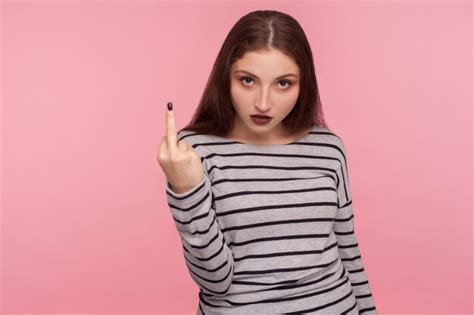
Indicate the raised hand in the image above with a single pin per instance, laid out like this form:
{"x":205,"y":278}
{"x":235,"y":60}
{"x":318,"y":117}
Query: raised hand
{"x":179,"y":161}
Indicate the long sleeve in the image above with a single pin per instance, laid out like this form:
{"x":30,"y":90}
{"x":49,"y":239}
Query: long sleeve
{"x":347,"y":241}
{"x":209,"y":260}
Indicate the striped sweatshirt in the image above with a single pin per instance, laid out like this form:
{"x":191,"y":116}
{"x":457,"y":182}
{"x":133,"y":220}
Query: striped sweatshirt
{"x":270,"y":228}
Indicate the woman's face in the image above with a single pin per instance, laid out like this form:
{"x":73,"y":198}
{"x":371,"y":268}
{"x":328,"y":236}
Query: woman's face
{"x":265,"y":83}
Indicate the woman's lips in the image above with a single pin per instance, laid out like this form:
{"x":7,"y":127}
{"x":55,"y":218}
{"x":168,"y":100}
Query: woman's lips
{"x":260,"y":120}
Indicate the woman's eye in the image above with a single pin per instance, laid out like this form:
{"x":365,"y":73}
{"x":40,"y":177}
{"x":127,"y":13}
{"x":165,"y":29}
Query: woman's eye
{"x":245,"y":78}
{"x":288,"y":83}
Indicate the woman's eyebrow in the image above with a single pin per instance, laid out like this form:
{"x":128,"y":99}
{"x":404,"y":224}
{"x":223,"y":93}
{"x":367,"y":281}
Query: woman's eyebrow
{"x":253,"y":75}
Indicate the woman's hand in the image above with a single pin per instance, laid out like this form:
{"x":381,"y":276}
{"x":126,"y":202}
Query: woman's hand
{"x":179,"y":161}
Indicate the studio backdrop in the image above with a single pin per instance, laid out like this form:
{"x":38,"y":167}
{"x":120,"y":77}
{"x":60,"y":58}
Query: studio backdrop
{"x":85,"y":224}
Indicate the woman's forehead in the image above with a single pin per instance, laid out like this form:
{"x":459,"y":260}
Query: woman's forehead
{"x":266,"y":63}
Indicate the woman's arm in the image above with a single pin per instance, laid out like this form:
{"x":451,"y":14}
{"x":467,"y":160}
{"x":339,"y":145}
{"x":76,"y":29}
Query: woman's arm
{"x":347,"y":241}
{"x":208,"y":258}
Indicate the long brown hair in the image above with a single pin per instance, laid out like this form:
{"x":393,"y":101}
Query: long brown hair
{"x":259,"y":30}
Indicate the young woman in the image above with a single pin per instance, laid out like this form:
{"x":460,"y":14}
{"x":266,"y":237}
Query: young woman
{"x":263,"y":205}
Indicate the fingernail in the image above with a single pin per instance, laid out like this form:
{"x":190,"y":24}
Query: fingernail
{"x":170,"y":106}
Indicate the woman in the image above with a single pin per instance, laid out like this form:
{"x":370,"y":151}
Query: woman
{"x":263,"y":205}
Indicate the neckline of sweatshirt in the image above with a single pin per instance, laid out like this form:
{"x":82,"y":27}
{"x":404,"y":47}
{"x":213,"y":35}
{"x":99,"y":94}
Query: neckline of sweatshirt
{"x":264,"y":146}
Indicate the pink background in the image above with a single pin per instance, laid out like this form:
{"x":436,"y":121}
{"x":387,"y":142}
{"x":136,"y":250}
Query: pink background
{"x":85,"y":224}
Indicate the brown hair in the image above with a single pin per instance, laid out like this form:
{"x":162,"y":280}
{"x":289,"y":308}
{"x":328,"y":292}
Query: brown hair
{"x":259,"y":30}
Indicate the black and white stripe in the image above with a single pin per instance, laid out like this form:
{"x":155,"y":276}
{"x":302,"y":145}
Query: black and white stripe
{"x":270,"y":229}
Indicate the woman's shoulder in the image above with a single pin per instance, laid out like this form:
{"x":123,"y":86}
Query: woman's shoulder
{"x":330,"y":138}
{"x":327,"y":135}
{"x":192,"y":138}
{"x":199,"y":142}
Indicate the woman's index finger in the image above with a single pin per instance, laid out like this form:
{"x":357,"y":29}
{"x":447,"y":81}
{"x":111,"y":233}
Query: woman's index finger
{"x":171,"y":128}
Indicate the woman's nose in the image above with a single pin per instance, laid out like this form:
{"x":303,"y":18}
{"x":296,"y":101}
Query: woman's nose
{"x":263,"y":104}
